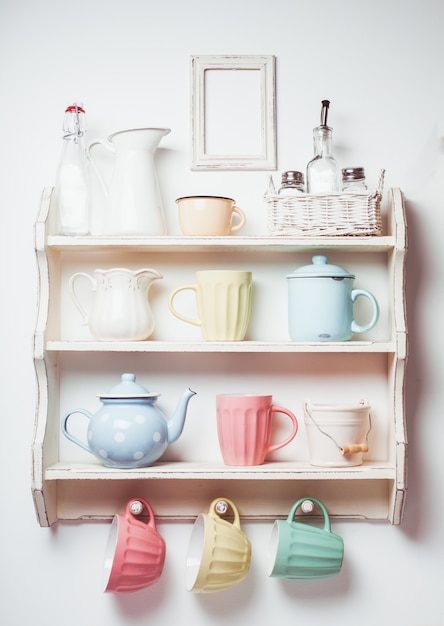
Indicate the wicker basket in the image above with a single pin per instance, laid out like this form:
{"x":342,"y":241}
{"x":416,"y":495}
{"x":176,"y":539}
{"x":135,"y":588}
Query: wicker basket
{"x":336,"y":214}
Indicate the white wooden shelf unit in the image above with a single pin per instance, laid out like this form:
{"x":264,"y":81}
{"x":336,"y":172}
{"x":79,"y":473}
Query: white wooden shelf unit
{"x":181,"y":489}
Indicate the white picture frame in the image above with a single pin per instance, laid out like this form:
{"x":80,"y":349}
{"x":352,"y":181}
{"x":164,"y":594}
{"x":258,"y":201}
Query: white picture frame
{"x":233,"y":112}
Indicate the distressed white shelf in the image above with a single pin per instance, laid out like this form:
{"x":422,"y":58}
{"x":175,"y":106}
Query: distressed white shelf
{"x":220,"y":346}
{"x":69,"y":489}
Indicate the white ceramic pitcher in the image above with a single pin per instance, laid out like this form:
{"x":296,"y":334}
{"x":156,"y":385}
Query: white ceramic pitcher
{"x":120,"y":309}
{"x":134,"y":205}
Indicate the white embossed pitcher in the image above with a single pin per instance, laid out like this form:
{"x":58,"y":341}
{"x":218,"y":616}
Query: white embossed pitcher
{"x":120,"y":308}
{"x":134,"y":205}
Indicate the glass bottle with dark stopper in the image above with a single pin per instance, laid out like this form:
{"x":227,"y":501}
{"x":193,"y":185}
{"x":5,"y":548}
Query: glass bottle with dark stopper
{"x":322,"y":171}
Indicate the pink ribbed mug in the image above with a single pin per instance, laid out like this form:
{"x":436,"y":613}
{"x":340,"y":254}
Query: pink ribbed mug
{"x":244,"y":425}
{"x":135,"y":551}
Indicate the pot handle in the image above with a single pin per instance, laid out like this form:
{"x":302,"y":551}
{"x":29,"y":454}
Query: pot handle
{"x":357,"y":328}
{"x":66,"y":432}
{"x":109,"y":147}
{"x":353,"y":448}
{"x":176,"y":313}
{"x":72,"y":281}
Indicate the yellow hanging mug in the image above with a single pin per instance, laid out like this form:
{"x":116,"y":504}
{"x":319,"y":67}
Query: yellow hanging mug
{"x":219,"y":553}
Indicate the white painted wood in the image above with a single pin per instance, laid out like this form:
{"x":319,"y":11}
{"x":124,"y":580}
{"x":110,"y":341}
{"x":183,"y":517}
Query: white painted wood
{"x":221,"y":346}
{"x":65,"y":488}
{"x":212,"y":244}
{"x":261,"y":158}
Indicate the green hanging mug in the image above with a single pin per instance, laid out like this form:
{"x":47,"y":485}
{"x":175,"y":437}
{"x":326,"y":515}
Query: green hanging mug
{"x":298,"y":550}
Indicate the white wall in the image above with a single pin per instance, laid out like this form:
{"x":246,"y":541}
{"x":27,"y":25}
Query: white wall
{"x":380,"y":64}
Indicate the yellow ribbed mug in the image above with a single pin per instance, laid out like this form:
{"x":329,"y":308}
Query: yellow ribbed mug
{"x":219,"y":553}
{"x":223,"y":304}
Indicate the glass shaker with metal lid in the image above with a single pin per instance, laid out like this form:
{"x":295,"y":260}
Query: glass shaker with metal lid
{"x":353,"y":179}
{"x":292,"y":183}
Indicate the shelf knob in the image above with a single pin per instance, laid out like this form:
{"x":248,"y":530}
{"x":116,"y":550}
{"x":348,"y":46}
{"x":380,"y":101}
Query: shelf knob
{"x":136,"y":507}
{"x":221,"y":507}
{"x":307,"y":506}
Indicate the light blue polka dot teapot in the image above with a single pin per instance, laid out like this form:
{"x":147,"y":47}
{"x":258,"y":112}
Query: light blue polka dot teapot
{"x":129,"y":431}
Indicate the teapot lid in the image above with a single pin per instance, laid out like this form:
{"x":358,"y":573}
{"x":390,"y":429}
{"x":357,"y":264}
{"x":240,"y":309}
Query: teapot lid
{"x":128,"y":388}
{"x":320,"y":268}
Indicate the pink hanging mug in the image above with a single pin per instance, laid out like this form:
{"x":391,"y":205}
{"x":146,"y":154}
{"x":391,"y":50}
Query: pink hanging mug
{"x":244,"y":425}
{"x":135,"y":551}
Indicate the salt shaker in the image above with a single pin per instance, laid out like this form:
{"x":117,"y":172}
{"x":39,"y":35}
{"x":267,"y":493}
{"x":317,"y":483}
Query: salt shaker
{"x":353,"y":179}
{"x":292,"y":183}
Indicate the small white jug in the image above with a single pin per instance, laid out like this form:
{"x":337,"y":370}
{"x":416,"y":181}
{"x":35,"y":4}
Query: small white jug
{"x":120,"y":309}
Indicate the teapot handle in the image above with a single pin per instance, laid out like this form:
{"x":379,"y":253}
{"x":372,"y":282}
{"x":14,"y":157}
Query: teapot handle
{"x":66,"y":432}
{"x":109,"y":147}
{"x":72,"y":281}
{"x":357,"y":328}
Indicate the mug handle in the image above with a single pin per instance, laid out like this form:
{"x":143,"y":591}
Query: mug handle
{"x":296,"y":505}
{"x":66,"y":432}
{"x":72,"y":281}
{"x":129,"y":513}
{"x":215,"y":515}
{"x":176,"y":313}
{"x":239,"y":225}
{"x":280,"y":409}
{"x":355,"y":327}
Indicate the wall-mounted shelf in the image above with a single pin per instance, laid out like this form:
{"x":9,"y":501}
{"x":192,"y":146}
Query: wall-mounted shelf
{"x":68,"y":484}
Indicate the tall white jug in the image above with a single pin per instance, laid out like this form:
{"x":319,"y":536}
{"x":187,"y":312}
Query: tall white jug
{"x":134,"y":205}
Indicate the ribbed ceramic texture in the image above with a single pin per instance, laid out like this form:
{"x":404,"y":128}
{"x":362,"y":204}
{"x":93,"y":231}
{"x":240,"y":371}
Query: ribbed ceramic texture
{"x":248,"y":444}
{"x":313,"y":552}
{"x":299,"y":550}
{"x":244,"y":424}
{"x":225,"y":309}
{"x":219,"y":553}
{"x":139,"y":556}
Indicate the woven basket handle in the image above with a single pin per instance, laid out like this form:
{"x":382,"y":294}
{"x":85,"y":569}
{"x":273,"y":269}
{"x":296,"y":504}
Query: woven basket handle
{"x":380,"y":187}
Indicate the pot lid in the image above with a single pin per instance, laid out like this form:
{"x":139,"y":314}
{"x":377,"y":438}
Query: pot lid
{"x":320,"y":268}
{"x":128,"y":388}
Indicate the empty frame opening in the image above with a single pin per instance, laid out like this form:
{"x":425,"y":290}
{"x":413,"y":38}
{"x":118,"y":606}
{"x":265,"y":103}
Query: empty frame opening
{"x":233,"y":125}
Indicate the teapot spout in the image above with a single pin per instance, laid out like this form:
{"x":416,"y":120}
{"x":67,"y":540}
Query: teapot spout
{"x":176,"y":423}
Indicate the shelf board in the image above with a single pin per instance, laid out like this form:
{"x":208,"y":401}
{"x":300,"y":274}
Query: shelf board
{"x":221,"y":346}
{"x":198,"y":244}
{"x":280,"y":470}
